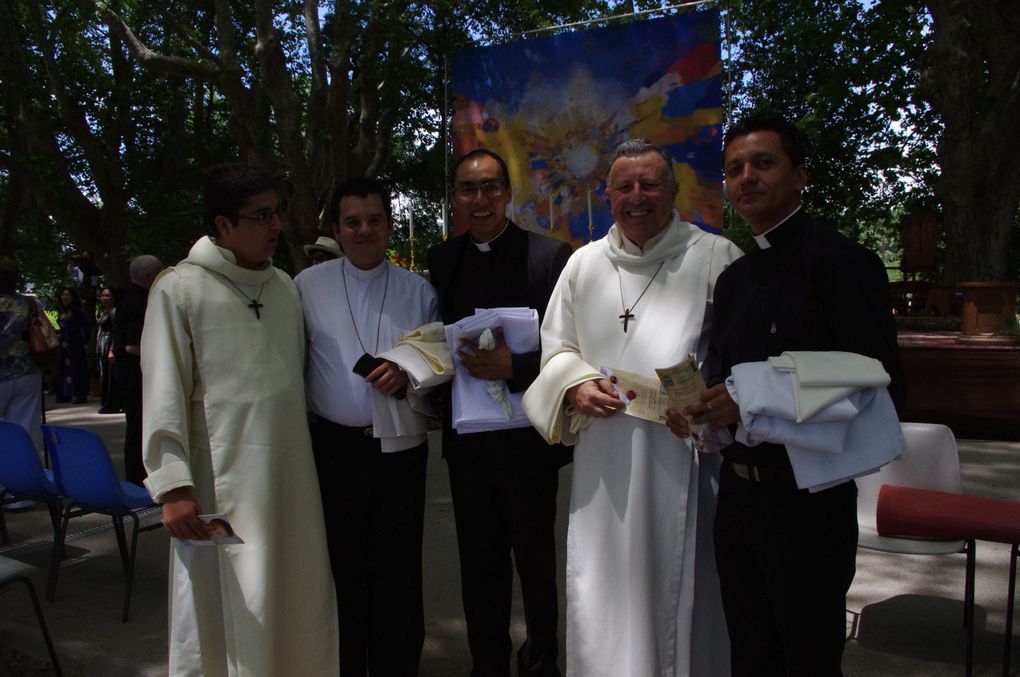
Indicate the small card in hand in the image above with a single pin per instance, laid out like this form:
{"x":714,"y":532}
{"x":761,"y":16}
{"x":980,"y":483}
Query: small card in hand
{"x":220,"y":531}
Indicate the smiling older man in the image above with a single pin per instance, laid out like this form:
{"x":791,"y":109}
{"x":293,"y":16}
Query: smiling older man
{"x":642,"y":593}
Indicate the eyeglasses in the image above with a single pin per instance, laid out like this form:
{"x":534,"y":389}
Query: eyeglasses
{"x":264,"y":217}
{"x":466,"y":191}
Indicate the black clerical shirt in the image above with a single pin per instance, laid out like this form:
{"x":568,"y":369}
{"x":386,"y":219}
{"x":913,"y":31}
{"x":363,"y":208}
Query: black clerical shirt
{"x":811,"y":289}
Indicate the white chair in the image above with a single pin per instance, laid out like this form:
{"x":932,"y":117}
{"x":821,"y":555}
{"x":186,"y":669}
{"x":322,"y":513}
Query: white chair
{"x":930,"y":461}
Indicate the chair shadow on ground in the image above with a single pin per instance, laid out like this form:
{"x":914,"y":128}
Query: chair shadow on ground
{"x":929,"y":628}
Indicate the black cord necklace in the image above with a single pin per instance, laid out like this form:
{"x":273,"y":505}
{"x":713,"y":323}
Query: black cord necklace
{"x":378,"y":326}
{"x":627,"y":315}
{"x":254,"y":305}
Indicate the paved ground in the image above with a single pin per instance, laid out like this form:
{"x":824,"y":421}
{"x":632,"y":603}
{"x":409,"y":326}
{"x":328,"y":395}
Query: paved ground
{"x":904,"y":612}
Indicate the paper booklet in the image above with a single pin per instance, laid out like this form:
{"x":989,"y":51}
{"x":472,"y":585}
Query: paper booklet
{"x":648,"y":398}
{"x":684,"y":386}
{"x":220,"y":531}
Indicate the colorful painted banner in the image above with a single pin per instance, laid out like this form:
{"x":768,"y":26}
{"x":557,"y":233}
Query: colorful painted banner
{"x":556,"y":107}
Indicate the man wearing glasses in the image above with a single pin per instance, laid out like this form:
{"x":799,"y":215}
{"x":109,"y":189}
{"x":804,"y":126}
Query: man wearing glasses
{"x":223,"y":357}
{"x":504,"y":482}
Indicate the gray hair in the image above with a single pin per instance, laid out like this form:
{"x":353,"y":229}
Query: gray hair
{"x":632,"y":148}
{"x":144,"y":268}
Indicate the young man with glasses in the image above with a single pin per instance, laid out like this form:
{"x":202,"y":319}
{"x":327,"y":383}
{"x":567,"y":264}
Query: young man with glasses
{"x":503,"y":482}
{"x":223,"y":355}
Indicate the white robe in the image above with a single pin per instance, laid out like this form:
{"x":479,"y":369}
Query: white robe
{"x":642,"y":591}
{"x":224,"y":412}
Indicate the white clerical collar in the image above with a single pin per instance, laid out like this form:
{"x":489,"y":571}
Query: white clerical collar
{"x":355,"y":272}
{"x":487,"y":246}
{"x":762,"y":240}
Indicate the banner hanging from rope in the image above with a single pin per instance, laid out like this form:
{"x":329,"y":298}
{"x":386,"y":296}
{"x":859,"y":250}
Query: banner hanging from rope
{"x":556,"y":107}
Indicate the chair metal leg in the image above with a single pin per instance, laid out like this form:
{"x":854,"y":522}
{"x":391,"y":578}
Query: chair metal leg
{"x":968,"y":606}
{"x":130,"y":565}
{"x":1014,"y":554}
{"x":4,"y":537}
{"x":57,"y":553}
{"x":118,"y":528}
{"x":42,"y":624}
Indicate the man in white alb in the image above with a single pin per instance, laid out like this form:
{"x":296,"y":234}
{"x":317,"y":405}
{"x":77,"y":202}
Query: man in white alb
{"x":642,"y":592}
{"x":368,"y":433}
{"x":222,"y":356}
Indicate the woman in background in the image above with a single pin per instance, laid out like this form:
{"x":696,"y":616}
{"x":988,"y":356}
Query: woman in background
{"x":71,"y":378}
{"x":20,"y":379}
{"x":109,"y":399}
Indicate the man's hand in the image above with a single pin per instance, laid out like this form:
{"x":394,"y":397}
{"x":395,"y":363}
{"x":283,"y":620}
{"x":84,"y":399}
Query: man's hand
{"x":180,"y":514}
{"x":596,"y":398}
{"x":388,"y":378}
{"x":487,"y":364}
{"x":716,"y":408}
{"x":677,"y":423}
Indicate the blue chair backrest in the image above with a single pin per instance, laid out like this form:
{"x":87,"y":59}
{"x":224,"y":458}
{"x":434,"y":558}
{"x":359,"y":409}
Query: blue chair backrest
{"x":83,"y":467}
{"x":21,"y":470}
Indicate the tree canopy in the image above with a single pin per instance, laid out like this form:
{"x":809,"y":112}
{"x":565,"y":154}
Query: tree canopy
{"x":110,"y":111}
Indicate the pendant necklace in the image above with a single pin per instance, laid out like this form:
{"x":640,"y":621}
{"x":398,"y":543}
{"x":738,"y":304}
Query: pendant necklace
{"x":254,"y":305}
{"x":627,"y":315}
{"x":378,"y":325}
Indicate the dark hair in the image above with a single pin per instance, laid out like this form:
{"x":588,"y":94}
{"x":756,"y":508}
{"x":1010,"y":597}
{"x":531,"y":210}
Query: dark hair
{"x":794,"y":144}
{"x":75,"y":300}
{"x":228,"y":187}
{"x":478,"y":152}
{"x":8,"y":275}
{"x":360,"y":186}
{"x":636,"y":148}
{"x":113,"y":292}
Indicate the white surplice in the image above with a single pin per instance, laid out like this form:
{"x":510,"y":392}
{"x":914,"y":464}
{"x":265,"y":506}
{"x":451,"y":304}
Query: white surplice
{"x":642,"y":591}
{"x":224,"y":412}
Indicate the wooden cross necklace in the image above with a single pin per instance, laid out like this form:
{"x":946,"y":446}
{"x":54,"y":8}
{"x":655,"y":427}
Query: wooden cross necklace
{"x":254,"y":305}
{"x":627,"y":315}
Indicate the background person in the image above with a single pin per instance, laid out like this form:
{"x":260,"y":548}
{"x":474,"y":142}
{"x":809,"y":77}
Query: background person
{"x":20,"y":378}
{"x":109,"y":398}
{"x":323,"y":249}
{"x":71,"y":376}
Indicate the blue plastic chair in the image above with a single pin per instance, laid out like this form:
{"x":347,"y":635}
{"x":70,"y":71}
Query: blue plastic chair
{"x":23,"y":476}
{"x":83,"y":468}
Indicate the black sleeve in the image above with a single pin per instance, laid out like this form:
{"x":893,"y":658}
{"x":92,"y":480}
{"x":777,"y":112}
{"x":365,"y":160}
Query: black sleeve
{"x":526,"y":365}
{"x":855,"y":289}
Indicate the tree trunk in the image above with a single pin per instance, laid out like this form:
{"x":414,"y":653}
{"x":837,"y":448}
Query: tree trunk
{"x":975,"y":79}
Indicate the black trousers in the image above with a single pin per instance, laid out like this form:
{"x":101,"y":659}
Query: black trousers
{"x":504,"y":498}
{"x":128,"y":374}
{"x":786,"y":558}
{"x":374,"y":506}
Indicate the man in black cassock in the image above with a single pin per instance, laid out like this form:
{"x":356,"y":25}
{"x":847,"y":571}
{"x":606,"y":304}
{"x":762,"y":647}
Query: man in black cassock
{"x":503,"y":483}
{"x":786,"y":556}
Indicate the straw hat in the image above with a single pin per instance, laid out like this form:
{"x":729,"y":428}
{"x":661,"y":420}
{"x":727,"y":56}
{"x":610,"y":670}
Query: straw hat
{"x":324,"y":244}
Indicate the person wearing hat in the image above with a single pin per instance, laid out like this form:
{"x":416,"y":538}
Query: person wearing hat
{"x":323,"y":249}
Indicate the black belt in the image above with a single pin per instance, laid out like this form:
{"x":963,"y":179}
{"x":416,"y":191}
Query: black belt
{"x":354,"y":431}
{"x":756,"y":473}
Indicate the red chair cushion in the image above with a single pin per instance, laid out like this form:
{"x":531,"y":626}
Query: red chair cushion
{"x":922,"y":513}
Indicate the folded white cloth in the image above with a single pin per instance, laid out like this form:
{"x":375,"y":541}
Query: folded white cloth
{"x":473,"y":408}
{"x":424,"y":354}
{"x":849,"y":437}
{"x":823,"y":377}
